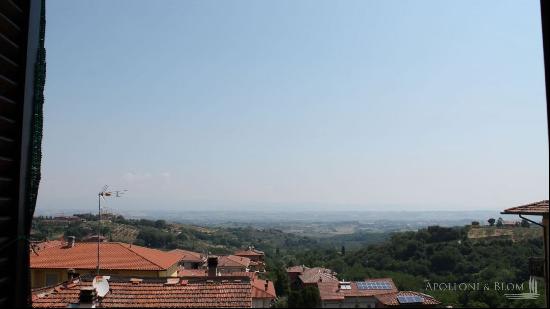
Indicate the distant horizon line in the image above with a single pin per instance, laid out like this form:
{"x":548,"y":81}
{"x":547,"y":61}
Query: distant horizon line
{"x":241,"y":210}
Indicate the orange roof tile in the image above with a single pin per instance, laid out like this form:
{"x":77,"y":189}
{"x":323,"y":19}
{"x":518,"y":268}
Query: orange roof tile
{"x":537,"y":208}
{"x":190,"y":256}
{"x":390,"y":299}
{"x":113,"y":255}
{"x":233,"y":261}
{"x":258,"y":285}
{"x":249,"y":274}
{"x":259,"y":289}
{"x":317,"y":274}
{"x":249,"y":252}
{"x":192,"y":273}
{"x":155,"y":293}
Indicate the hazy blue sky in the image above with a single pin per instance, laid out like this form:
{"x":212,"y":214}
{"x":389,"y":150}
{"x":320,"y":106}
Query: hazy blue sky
{"x":281,"y":104}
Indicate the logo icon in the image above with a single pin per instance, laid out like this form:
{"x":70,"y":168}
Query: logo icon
{"x":532,"y":294}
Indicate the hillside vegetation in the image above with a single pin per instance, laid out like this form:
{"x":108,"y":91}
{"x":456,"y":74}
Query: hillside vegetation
{"x":512,"y":233}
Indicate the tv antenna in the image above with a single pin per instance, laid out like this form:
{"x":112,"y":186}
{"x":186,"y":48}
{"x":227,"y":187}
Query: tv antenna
{"x":105,"y":192}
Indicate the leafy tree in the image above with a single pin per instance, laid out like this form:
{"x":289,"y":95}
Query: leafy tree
{"x":355,"y":272}
{"x":445,"y":260}
{"x":295,"y":299}
{"x":491,"y":221}
{"x":307,"y":297}
{"x":280,"y":279}
{"x":408,"y":250}
{"x":500,"y":222}
{"x":311,"y":297}
{"x":160,"y":224}
{"x":439,"y":234}
{"x":525,"y":223}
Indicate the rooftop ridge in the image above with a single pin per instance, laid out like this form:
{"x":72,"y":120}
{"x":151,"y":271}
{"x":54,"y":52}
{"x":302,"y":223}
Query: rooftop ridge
{"x":115,"y":255}
{"x":158,"y":280}
{"x":140,"y":255}
{"x":215,"y":292}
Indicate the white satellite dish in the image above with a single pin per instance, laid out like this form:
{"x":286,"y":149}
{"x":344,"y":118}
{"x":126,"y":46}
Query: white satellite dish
{"x":101,"y":285}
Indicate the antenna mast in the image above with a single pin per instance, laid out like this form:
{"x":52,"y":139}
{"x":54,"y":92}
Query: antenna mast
{"x":101,"y":196}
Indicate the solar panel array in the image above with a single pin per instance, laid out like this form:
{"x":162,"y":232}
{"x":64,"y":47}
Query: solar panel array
{"x":374,"y":285}
{"x":410,"y":299}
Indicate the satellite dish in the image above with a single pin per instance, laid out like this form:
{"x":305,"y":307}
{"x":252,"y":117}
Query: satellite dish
{"x":101,"y":285}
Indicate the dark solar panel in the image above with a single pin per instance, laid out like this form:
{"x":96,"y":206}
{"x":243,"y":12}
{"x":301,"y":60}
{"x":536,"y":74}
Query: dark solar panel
{"x":410,"y":299}
{"x":374,"y":285}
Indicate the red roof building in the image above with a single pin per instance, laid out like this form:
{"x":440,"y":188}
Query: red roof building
{"x":371,"y":293}
{"x":301,"y":276}
{"x":263,"y":291}
{"x":192,"y":273}
{"x":51,"y":264}
{"x":127,"y":292}
{"x":190,"y":259}
{"x":395,"y":299}
{"x":257,"y":258}
{"x":535,"y":209}
{"x":532,"y":209}
{"x":231,"y":263}
{"x":251,"y":253}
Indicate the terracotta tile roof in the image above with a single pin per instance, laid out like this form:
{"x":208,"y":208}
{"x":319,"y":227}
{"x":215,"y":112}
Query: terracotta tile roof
{"x":259,"y":289}
{"x":187,"y":273}
{"x":390,"y":299}
{"x":249,"y":252}
{"x":155,"y":293}
{"x":113,"y":255}
{"x":190,"y":256}
{"x":233,"y":261}
{"x":249,"y":274}
{"x":258,"y":285}
{"x":317,"y":274}
{"x":193,"y":273}
{"x":537,"y":208}
{"x":330,"y":290}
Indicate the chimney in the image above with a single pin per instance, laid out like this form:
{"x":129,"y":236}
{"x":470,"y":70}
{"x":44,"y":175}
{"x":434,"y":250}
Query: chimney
{"x":212,"y":266}
{"x":87,"y":297}
{"x":70,"y":241}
